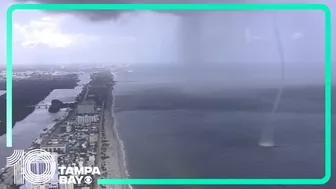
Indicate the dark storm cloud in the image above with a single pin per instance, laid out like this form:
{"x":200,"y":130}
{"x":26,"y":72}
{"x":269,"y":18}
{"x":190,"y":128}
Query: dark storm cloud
{"x":93,"y":15}
{"x":96,"y":15}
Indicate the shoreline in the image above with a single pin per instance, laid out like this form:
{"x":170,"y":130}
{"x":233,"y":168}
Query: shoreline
{"x":29,"y":93}
{"x":121,"y":149}
{"x":120,"y":142}
{"x":116,"y":165}
{"x":115,"y":162}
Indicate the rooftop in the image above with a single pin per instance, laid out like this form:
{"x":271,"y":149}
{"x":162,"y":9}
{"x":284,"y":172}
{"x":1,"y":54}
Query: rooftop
{"x":53,"y":145}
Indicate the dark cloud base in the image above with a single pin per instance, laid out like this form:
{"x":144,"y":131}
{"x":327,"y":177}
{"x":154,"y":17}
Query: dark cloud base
{"x":96,"y":15}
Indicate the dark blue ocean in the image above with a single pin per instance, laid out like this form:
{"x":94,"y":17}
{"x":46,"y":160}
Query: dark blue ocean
{"x":205,"y":123}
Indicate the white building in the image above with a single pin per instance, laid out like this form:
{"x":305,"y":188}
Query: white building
{"x":92,"y":158}
{"x":53,"y":183}
{"x":59,"y":148}
{"x":71,"y":122}
{"x":68,"y":128}
{"x":91,"y":161}
{"x":81,"y":163}
{"x":93,"y":138}
{"x":38,"y":168}
{"x":67,"y":186}
{"x":87,"y":119}
{"x":53,"y":186}
{"x":33,"y":186}
{"x":18,"y":172}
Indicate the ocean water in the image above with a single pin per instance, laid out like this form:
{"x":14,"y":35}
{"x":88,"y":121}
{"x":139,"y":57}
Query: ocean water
{"x":27,"y":130}
{"x":178,"y":127}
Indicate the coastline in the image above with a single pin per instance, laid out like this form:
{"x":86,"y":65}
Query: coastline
{"x":121,"y":148}
{"x":29,"y":93}
{"x":116,"y":166}
{"x":114,"y":159}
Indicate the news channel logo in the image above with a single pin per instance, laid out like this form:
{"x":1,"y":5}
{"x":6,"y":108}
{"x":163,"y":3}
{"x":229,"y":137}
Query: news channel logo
{"x":36,"y":166}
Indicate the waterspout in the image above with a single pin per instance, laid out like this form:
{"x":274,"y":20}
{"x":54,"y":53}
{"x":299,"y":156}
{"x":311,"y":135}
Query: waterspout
{"x":267,"y":136}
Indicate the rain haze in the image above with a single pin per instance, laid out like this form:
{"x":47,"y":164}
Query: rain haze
{"x":241,"y":38}
{"x":210,"y":94}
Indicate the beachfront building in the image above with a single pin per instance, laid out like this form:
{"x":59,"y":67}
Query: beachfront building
{"x":31,"y":186}
{"x":19,"y":177}
{"x":87,"y":119}
{"x":93,"y":138}
{"x":67,"y":186}
{"x":91,"y":161}
{"x":61,"y":148}
{"x":53,"y":182}
{"x":68,"y":128}
{"x":39,"y":167}
{"x":71,"y":122}
{"x":52,"y":186}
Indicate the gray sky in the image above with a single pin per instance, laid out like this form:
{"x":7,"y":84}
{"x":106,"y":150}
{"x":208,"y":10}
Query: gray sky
{"x":152,"y":37}
{"x":46,"y":37}
{"x":42,"y":37}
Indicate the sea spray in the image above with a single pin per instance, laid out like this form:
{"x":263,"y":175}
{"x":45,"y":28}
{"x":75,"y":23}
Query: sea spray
{"x":267,"y":136}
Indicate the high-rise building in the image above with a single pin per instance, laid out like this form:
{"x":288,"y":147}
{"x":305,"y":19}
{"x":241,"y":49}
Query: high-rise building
{"x":67,"y":186}
{"x":68,"y":128}
{"x":87,"y":119}
{"x":38,"y":167}
{"x":53,"y":183}
{"x":18,"y":173}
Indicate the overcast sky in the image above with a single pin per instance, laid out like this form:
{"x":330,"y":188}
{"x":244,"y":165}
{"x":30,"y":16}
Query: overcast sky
{"x":152,"y":37}
{"x":42,"y":37}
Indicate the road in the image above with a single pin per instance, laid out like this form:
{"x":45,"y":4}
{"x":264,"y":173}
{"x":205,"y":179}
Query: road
{"x":101,"y":125}
{"x":86,"y":91}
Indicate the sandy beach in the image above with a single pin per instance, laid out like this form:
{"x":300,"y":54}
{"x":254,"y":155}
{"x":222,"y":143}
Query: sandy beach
{"x":112,"y":147}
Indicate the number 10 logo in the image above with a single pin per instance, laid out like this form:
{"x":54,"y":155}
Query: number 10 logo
{"x":36,"y":166}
